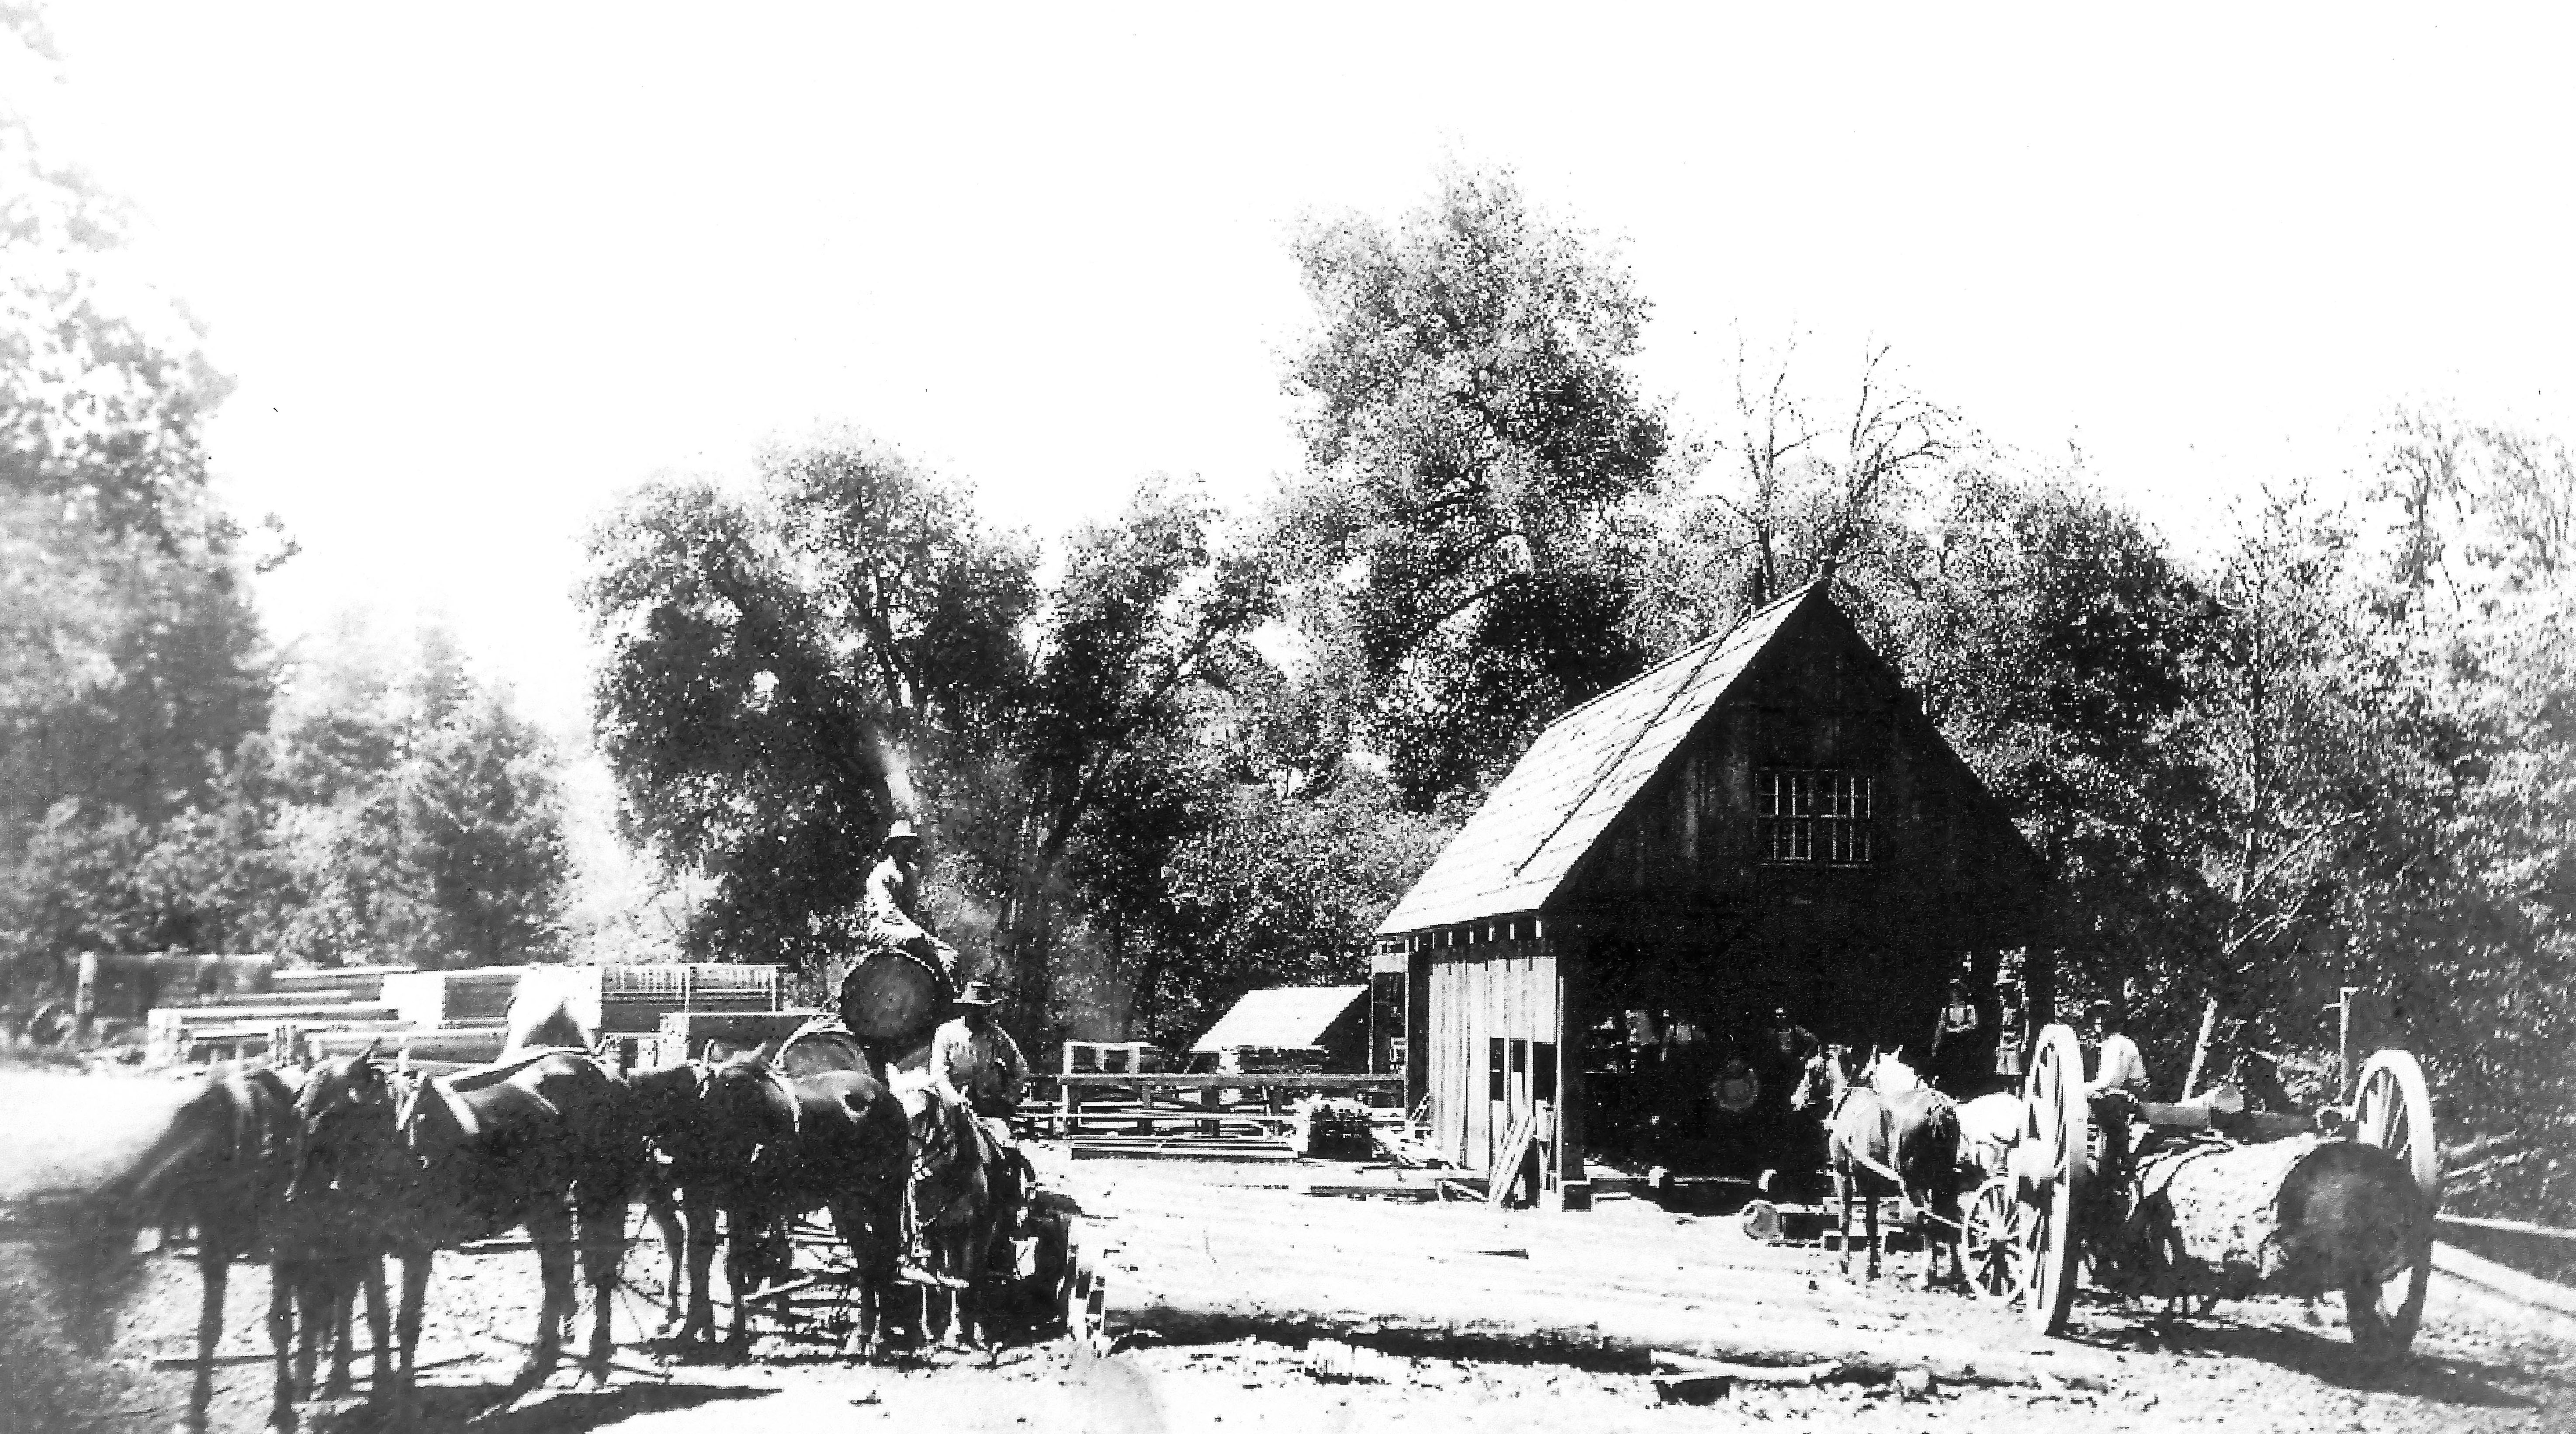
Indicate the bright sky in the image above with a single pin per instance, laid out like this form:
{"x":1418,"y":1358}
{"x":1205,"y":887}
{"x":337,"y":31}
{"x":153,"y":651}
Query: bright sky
{"x":478,"y":270}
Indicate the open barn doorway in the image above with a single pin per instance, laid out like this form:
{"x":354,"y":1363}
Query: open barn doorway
{"x":1695,"y":1047}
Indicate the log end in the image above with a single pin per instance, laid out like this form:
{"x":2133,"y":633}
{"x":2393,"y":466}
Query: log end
{"x":2349,"y":1214}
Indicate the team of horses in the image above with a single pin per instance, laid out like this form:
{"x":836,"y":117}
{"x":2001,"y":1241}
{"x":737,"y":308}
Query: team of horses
{"x":1889,"y":1133}
{"x":361,"y":1161}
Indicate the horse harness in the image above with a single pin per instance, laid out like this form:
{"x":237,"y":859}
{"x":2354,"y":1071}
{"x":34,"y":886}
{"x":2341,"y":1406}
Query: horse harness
{"x":1862,"y":1159}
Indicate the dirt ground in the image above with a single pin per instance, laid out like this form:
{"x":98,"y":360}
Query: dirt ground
{"x":2259,"y":1365}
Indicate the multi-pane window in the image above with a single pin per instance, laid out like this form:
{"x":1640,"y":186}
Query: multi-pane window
{"x":1822,"y":817}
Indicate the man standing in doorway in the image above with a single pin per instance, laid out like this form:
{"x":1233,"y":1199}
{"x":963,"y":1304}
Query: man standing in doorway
{"x":1955,"y":1043}
{"x":1783,"y":1053}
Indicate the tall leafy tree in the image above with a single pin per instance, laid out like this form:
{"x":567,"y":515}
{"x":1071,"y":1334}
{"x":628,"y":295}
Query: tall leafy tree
{"x":787,"y":669}
{"x":2051,"y":636}
{"x":1477,"y":450}
{"x":130,"y":661}
{"x":1150,"y":615}
{"x":2466,"y":553}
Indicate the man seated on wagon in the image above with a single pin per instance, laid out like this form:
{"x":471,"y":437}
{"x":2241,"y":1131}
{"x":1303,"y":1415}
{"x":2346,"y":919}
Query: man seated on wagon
{"x":893,"y":905}
{"x":2117,"y":1066}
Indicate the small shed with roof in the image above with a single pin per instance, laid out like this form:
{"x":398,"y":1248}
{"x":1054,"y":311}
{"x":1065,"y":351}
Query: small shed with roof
{"x":1765,"y":820}
{"x":1318,"y":1028}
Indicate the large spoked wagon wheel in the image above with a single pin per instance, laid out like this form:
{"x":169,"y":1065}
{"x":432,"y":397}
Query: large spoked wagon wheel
{"x":2054,"y":1168}
{"x":2394,"y":1111}
{"x":1992,"y":1243}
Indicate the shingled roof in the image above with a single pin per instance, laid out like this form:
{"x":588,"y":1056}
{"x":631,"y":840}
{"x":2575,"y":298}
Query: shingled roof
{"x":1280,"y":1018}
{"x":1573,"y":782}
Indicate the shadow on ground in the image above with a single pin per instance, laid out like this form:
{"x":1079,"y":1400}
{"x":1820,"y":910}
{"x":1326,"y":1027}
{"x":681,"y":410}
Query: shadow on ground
{"x":548,"y":1411}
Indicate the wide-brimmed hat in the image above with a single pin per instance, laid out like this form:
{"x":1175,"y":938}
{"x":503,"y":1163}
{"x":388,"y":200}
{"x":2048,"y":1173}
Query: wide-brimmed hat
{"x":901,"y":831}
{"x":978,"y":993}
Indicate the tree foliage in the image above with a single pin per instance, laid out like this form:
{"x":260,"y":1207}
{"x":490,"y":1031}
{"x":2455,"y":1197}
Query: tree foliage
{"x":787,"y":666}
{"x":1476,"y":450}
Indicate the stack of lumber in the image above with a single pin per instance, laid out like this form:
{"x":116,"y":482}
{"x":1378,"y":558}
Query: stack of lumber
{"x":686,"y":1034}
{"x":455,"y":1017}
{"x":246,"y":1029}
{"x":635,"y":999}
{"x":475,"y":996}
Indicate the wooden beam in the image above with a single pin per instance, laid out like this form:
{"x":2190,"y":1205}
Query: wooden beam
{"x":1234,"y":1081}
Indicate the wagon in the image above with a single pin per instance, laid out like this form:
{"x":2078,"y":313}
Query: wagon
{"x":2153,"y":1201}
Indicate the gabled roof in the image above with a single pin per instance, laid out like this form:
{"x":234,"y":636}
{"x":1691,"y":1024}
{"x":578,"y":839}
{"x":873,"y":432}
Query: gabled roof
{"x":1577,"y":778}
{"x":1281,"y":1018}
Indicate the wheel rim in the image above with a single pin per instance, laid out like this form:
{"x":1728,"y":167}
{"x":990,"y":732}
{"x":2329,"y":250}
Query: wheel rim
{"x":2043,"y":1098}
{"x":2393,"y":1110}
{"x":2059,"y":1121}
{"x":1994,"y":1240}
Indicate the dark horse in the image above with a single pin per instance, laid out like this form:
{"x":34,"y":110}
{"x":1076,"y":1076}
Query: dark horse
{"x":324,"y":1244}
{"x":545,"y":1142}
{"x":1902,"y":1140}
{"x":220,"y":1167}
{"x":760,"y":1147}
{"x":229,"y":1166}
{"x":967,"y":1194}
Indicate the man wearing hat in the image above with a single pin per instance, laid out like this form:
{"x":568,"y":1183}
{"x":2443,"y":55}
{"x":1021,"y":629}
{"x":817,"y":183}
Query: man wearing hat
{"x":1780,"y":1057}
{"x":893,"y":906}
{"x":1955,"y":1040}
{"x":975,"y":1062}
{"x":2118,"y":1066}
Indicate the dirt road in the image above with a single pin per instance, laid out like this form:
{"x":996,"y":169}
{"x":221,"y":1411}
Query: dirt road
{"x":2260,"y":1365}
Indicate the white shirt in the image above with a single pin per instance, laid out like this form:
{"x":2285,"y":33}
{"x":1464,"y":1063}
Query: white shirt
{"x":985,"y":1064}
{"x":2120,"y":1067}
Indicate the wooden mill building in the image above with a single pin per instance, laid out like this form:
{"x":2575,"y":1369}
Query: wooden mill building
{"x":1765,"y":820}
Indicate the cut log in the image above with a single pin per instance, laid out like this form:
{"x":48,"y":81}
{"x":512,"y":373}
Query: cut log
{"x":2298,"y":1216}
{"x":1748,"y":1373}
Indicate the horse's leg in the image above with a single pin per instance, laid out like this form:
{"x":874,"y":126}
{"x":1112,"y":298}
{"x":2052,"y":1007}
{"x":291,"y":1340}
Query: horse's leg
{"x":1958,"y":1232}
{"x":214,"y":1263}
{"x":550,"y":1227}
{"x":1842,"y":1201}
{"x":1869,"y":1211}
{"x":312,"y":1291}
{"x":344,"y":1325}
{"x":701,"y":1210}
{"x":282,"y":1277}
{"x":404,"y":1398}
{"x":855,"y":1233}
{"x":371,"y":1269}
{"x":660,"y":1209}
{"x":742,"y":1257}
{"x":962,"y":1248}
{"x":603,"y":1258}
{"x":937,"y":1307}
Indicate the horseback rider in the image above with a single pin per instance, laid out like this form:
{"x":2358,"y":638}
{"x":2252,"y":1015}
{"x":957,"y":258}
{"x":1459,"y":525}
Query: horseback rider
{"x":975,"y":1063}
{"x":893,"y":905}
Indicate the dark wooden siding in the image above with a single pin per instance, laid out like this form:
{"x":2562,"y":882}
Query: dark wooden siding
{"x":1679,"y":897}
